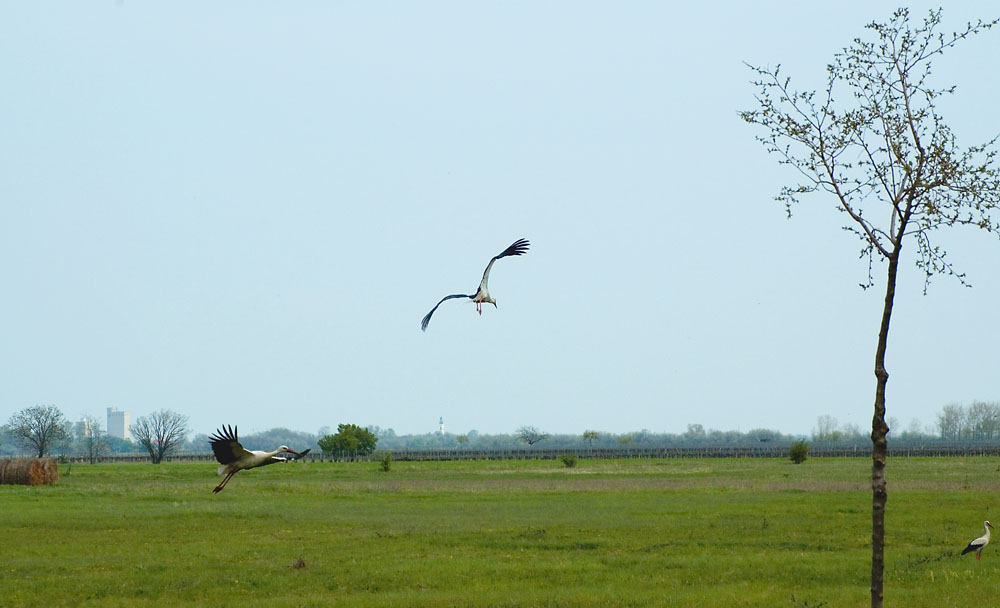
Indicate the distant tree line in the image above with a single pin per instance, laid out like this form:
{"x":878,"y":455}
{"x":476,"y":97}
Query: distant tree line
{"x":530,"y":436}
{"x":980,"y":421}
{"x":44,"y":430}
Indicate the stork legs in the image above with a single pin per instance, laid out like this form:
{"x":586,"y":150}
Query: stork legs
{"x":219,"y":487}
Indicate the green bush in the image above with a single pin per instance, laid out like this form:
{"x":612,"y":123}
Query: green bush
{"x":386,"y":463}
{"x":569,"y":460}
{"x":798,"y":451}
{"x":351,"y":440}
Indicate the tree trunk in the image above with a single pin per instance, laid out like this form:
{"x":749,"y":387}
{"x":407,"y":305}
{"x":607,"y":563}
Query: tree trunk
{"x":879,"y":431}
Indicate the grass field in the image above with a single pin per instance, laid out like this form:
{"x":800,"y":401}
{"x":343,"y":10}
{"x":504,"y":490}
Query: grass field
{"x":726,"y":532}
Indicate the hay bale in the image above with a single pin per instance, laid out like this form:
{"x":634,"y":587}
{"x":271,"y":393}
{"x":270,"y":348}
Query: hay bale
{"x":51,"y":471}
{"x":29,"y":471}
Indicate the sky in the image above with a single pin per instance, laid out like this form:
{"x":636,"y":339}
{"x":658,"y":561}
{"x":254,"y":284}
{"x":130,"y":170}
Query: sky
{"x":240,"y":211}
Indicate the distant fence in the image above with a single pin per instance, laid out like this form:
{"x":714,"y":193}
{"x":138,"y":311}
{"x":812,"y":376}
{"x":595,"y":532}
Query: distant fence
{"x":773,"y":451}
{"x":819,"y":450}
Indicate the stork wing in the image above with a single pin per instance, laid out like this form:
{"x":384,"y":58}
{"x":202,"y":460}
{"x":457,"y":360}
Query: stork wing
{"x":518,"y":247}
{"x":274,"y":459}
{"x":975,"y":545}
{"x":427,"y":317}
{"x":226,"y":446}
{"x":284,"y":457}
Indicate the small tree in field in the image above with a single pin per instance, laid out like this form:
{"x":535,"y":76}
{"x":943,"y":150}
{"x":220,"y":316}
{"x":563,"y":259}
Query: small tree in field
{"x":591,"y":436}
{"x":160,"y":433}
{"x":385,"y":463}
{"x":530,"y":435}
{"x":798,"y":451}
{"x":874,"y":141}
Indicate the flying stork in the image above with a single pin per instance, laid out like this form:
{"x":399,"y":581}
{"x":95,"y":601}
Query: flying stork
{"x":234,"y":457}
{"x":482,"y":294}
{"x":980,"y":543}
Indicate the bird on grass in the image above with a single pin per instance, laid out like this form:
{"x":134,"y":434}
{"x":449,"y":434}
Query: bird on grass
{"x":482,"y":295}
{"x":234,"y":457}
{"x":980,"y":543}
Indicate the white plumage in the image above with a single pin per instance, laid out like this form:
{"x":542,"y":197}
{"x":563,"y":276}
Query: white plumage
{"x":234,"y":457}
{"x":980,"y":543}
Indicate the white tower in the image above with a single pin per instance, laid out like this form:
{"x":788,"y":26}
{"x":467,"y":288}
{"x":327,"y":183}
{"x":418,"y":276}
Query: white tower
{"x":441,"y":426}
{"x":118,"y":423}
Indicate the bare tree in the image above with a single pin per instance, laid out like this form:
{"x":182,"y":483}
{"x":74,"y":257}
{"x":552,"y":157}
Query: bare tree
{"x":826,"y":429}
{"x":161,"y":433}
{"x":875,"y":141}
{"x":530,"y":435}
{"x":983,"y":420}
{"x":950,"y":421}
{"x":38,"y":428}
{"x":92,"y":438}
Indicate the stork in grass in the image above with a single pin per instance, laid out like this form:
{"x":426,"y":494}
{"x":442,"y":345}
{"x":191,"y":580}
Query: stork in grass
{"x":234,"y":457}
{"x":980,"y":543}
{"x":482,"y":294}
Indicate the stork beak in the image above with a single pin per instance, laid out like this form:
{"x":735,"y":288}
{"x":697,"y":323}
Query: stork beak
{"x":293,"y":452}
{"x":990,"y":525}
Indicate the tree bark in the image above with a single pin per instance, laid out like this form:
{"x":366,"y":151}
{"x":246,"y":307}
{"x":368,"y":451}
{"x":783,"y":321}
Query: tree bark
{"x":879,"y":431}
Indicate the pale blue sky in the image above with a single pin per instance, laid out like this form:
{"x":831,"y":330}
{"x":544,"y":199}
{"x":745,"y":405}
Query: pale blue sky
{"x":241,"y":211}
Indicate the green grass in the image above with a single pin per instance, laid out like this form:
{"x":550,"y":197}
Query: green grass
{"x":726,"y":532}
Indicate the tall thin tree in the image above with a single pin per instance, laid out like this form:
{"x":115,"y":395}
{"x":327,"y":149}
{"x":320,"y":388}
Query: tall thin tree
{"x":874,"y":140}
{"x":91,"y":438}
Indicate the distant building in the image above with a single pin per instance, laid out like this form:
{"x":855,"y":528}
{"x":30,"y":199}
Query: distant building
{"x":441,"y":426}
{"x":118,"y":423}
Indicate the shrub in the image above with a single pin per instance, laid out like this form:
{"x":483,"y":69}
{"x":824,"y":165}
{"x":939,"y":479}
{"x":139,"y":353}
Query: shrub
{"x":351,"y":440}
{"x":569,"y":460}
{"x":798,"y":451}
{"x":386,"y":463}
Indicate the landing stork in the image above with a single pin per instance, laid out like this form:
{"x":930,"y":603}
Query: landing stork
{"x":482,"y":294}
{"x":234,"y":457}
{"x":980,"y":543}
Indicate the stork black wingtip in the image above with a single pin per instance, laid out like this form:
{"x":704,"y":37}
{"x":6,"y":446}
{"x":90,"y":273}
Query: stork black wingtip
{"x":518,"y":247}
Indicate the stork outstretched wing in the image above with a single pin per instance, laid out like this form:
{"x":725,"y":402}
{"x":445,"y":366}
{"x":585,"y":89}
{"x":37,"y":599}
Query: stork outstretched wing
{"x":427,"y":317}
{"x":518,"y":247}
{"x":226,"y":446}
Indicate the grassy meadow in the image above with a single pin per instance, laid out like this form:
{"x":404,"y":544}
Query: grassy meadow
{"x":678,"y":532}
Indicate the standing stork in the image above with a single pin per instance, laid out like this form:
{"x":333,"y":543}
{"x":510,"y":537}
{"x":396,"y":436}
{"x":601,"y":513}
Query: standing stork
{"x":234,"y":457}
{"x":980,"y":543}
{"x":482,"y":294}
